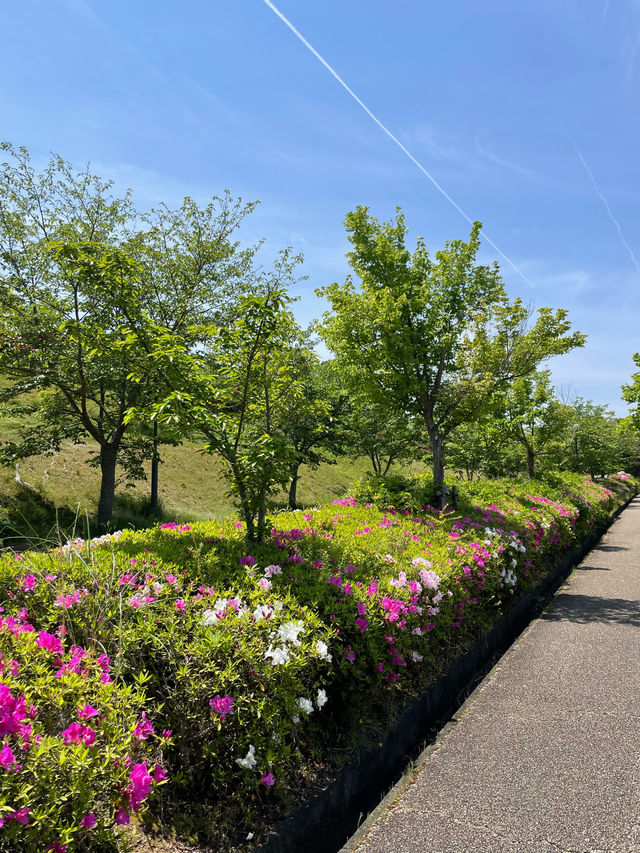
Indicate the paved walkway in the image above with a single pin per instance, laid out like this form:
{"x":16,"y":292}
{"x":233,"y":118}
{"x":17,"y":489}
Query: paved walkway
{"x":544,"y":757}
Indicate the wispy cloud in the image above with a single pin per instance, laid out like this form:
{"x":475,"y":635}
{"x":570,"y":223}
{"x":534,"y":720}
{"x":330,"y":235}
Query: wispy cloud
{"x":606,"y":204}
{"x":391,"y":136}
{"x":485,"y":152}
{"x":605,"y":10}
{"x":436,"y":145}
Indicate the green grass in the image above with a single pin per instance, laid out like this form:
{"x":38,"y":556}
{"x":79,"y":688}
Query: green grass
{"x":65,"y":488}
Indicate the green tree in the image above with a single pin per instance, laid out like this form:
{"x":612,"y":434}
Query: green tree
{"x":381,"y":434}
{"x":80,"y":274}
{"x":536,"y":419}
{"x":434,"y":337}
{"x":483,"y":448}
{"x":314,"y":424}
{"x":598,"y":443}
{"x":238,"y":388}
{"x":631,"y":393}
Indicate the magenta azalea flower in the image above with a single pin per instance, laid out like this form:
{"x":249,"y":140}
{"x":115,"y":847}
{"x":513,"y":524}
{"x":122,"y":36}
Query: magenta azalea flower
{"x":144,"y":728}
{"x":7,"y":758}
{"x":121,"y":817}
{"x":268,"y":779}
{"x":50,"y":642}
{"x":222,"y":705}
{"x":88,"y":821}
{"x":140,"y":786}
{"x":159,"y":774}
{"x":77,"y":733}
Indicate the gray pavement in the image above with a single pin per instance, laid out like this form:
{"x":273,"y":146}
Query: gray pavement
{"x":544,"y":757}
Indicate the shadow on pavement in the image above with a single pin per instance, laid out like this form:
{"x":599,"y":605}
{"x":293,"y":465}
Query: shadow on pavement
{"x":609,"y":548}
{"x":586,"y":608}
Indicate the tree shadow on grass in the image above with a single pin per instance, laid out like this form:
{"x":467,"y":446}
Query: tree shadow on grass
{"x":588,"y":608}
{"x":30,"y":520}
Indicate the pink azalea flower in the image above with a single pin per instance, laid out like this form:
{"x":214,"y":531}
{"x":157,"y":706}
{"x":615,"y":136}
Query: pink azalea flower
{"x":181,"y":605}
{"x":140,"y":786}
{"x":77,"y":732}
{"x":222,"y":705}
{"x":104,"y":662}
{"x":49,"y":642}
{"x":159,"y":775}
{"x":144,"y":728}
{"x":121,"y":817}
{"x":7,"y":758}
{"x":28,"y":582}
{"x":87,"y":711}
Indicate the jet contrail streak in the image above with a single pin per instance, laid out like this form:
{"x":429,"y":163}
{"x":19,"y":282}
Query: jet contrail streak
{"x":371,"y":115}
{"x":606,"y":204}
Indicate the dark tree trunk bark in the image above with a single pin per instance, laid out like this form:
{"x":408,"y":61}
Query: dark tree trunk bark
{"x":262,"y":515}
{"x":531,"y":463}
{"x":154,"y":471}
{"x":108,"y":457}
{"x":437,"y":449}
{"x":293,"y":488}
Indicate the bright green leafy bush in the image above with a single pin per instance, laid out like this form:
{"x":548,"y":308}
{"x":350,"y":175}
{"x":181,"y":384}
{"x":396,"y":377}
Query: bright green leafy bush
{"x":251,"y":668}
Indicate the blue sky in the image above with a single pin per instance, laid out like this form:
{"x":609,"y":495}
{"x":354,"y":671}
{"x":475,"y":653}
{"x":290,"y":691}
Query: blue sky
{"x":508,"y":105}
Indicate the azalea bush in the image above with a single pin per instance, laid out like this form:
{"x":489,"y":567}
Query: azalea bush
{"x":232,"y":670}
{"x":76,"y":760}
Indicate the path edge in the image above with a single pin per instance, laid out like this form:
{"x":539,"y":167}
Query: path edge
{"x":331,"y":820}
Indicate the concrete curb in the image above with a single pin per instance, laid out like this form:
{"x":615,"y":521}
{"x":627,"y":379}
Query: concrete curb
{"x":326,"y":821}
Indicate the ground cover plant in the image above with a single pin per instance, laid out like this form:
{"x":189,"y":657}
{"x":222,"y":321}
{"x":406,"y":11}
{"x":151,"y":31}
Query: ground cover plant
{"x":182,"y":678}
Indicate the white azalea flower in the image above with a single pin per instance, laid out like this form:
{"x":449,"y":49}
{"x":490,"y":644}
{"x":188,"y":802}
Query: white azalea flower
{"x":288,"y":632}
{"x":262,"y":611}
{"x":323,"y":650}
{"x":305,"y":705}
{"x":278,"y":656}
{"x":249,"y":761}
{"x":321,"y":698}
{"x":210,"y":617}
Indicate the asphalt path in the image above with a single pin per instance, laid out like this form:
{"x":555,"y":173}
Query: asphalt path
{"x":544,"y":756}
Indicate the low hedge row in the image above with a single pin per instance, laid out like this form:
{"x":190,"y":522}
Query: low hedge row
{"x":173,"y":677}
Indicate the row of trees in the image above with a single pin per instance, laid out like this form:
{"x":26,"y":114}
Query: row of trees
{"x":114,"y":320}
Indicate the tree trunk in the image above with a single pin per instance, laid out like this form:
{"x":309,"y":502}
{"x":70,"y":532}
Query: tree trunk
{"x":262,"y":515}
{"x":437,"y":449}
{"x":108,"y":457}
{"x":293,"y":488}
{"x":531,"y":463}
{"x":154,"y":471}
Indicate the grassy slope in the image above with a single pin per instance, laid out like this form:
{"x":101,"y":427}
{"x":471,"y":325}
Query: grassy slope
{"x":191,"y":487}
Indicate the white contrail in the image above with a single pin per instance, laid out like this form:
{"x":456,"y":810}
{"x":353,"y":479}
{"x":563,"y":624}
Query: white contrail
{"x":606,"y":203}
{"x":430,"y":177}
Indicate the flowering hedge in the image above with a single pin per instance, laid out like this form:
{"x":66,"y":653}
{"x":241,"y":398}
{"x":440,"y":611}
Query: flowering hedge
{"x":174,"y":653}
